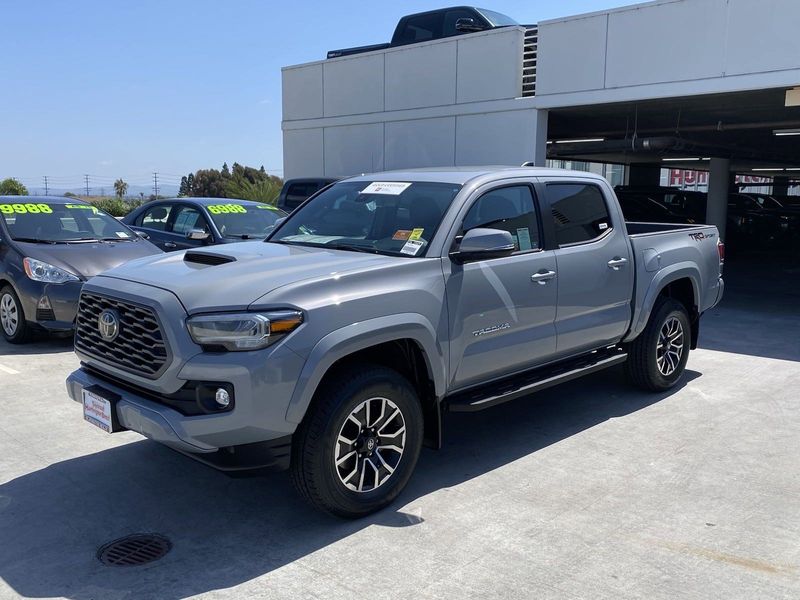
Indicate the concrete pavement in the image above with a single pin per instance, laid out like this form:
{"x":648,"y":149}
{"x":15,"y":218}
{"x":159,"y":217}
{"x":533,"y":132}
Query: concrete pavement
{"x":589,"y":490}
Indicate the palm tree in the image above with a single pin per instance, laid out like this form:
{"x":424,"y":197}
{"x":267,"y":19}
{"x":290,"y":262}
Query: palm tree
{"x":121,"y":188}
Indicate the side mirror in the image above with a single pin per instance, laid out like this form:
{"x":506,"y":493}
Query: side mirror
{"x":143,"y":235}
{"x":197,"y":234}
{"x":467,"y":25}
{"x":482,"y":244}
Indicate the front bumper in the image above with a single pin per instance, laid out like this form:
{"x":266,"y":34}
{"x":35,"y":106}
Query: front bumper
{"x":63,"y":300}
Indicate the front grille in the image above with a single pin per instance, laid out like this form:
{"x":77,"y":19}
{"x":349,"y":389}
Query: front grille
{"x":139,"y":346}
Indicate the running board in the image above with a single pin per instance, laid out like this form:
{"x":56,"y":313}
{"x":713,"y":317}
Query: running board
{"x":496,"y":393}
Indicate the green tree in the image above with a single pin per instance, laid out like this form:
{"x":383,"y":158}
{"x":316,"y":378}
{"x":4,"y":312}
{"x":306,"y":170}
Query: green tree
{"x":190,"y":184}
{"x":208,"y":183}
{"x":184,"y":189}
{"x":263,"y":190}
{"x":12,"y":187}
{"x":120,"y":188}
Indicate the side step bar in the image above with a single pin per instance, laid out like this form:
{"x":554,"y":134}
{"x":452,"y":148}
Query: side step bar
{"x":501,"y":391}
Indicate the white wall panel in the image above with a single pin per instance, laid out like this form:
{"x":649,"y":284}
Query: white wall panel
{"x":354,"y":85}
{"x":420,"y":143}
{"x":353,"y":149}
{"x":666,"y":42}
{"x":502,"y":138}
{"x":421,"y":76}
{"x":302,"y":92}
{"x":487,"y":69}
{"x":763,"y":36}
{"x":302,"y":153}
{"x":572,"y":55}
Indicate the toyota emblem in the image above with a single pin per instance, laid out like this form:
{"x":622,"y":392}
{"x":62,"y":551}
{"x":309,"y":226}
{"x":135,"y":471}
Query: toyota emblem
{"x":108,"y":325}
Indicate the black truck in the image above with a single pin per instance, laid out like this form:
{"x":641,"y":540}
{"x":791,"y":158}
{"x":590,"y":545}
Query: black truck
{"x":434,"y":25}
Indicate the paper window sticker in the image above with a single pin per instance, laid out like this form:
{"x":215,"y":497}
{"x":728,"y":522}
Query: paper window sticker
{"x":603,"y":226}
{"x":416,"y":234}
{"x":412,"y":247}
{"x":389,"y":188}
{"x":524,"y":237}
{"x":401,"y":234}
{"x":123,"y":234}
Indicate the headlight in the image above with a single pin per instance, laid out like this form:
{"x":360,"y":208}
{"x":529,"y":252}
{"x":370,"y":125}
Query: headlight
{"x":46,"y":273}
{"x":243,"y":331}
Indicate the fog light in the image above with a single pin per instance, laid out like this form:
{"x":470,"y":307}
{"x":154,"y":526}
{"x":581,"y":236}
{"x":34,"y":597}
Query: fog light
{"x":222,"y":397}
{"x":44,"y":303}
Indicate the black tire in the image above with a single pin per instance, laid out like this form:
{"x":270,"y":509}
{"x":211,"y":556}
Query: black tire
{"x":645,"y":365}
{"x":315,"y":445}
{"x":21,"y":330}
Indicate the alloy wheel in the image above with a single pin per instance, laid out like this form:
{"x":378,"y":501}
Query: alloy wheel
{"x":9,"y":314}
{"x":370,"y":445}
{"x":669,"y":350}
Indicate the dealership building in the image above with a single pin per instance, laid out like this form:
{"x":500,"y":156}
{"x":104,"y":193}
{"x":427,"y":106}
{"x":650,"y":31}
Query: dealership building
{"x":701,"y":85}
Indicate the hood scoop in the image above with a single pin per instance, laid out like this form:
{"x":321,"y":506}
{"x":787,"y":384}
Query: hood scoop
{"x":206,"y":258}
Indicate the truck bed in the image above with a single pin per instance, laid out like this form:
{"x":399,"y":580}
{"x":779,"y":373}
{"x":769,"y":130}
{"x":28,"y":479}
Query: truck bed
{"x":664,"y":252}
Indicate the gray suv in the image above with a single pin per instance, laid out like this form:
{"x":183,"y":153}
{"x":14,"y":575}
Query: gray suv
{"x":335,"y":348}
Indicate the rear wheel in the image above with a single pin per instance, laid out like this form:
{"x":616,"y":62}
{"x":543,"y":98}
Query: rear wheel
{"x":358,"y":445}
{"x":12,"y":318}
{"x":657,"y":358}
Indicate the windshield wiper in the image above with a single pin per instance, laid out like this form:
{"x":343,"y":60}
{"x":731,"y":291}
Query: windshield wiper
{"x":33,"y":240}
{"x":353,"y":247}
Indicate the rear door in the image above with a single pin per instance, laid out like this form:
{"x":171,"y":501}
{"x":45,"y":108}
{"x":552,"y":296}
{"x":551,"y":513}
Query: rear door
{"x":594,"y":263}
{"x":502,"y":310}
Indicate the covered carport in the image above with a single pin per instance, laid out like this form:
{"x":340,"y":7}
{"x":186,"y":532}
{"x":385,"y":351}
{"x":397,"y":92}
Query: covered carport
{"x":746,"y":133}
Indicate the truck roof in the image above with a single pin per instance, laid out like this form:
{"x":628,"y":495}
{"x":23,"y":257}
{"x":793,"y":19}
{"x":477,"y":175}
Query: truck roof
{"x":461,"y":175}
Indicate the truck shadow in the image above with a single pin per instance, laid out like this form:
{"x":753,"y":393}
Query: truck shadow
{"x":229,"y":531}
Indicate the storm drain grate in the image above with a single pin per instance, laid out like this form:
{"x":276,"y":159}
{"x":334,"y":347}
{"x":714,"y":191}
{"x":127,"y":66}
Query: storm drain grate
{"x":133,"y":550}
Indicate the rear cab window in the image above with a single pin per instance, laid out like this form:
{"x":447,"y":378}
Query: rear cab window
{"x":579,"y":212}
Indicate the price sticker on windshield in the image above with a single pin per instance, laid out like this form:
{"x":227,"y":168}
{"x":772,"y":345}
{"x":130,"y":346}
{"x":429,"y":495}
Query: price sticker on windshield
{"x":226,"y":209}
{"x":388,"y":188}
{"x":25,"y":209}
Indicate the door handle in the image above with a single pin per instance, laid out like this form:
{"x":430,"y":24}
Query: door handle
{"x":542,"y":277}
{"x":616,"y":263}
{"x":170,"y":245}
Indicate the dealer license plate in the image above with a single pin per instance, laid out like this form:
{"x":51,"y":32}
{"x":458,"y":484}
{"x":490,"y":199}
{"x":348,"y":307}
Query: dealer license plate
{"x":98,"y":411}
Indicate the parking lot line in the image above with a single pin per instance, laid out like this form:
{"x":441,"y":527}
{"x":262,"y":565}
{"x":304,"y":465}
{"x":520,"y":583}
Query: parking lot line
{"x":8,"y":370}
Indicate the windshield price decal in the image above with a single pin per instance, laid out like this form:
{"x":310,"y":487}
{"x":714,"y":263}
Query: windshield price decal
{"x":224,"y":209}
{"x":23,"y":209}
{"x":81,"y":207}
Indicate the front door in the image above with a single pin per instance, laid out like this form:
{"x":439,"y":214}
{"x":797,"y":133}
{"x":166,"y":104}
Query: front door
{"x":502,"y":310}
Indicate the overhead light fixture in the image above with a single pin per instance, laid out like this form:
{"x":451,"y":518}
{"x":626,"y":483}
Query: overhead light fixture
{"x":581,"y":141}
{"x":765,"y":170}
{"x":785,"y":132}
{"x":689,"y":159}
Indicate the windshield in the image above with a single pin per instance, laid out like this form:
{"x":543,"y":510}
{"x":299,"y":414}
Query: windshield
{"x":54,"y":222}
{"x":240,"y":220}
{"x":385,"y":217}
{"x":497,"y":19}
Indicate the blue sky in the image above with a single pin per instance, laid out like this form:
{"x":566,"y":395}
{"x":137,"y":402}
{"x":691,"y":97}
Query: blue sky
{"x":118,"y":89}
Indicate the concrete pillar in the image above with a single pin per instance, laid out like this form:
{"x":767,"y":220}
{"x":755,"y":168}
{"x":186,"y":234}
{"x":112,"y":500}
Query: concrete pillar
{"x":718,"y":189}
{"x":644,"y":175}
{"x":540,"y":139}
{"x":780,"y":186}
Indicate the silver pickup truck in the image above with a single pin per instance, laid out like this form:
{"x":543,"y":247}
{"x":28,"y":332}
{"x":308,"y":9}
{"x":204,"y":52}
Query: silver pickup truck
{"x":335,"y":348}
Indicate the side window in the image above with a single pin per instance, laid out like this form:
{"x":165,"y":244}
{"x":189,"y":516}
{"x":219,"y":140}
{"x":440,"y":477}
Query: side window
{"x":510,"y":209}
{"x":422,"y":28}
{"x":188,"y":218}
{"x":155,"y":217}
{"x":298,"y":192}
{"x":579,"y":212}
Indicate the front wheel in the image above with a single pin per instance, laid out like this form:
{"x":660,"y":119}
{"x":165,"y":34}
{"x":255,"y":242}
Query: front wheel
{"x":358,"y":445}
{"x":657,"y":358}
{"x":12,"y":318}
